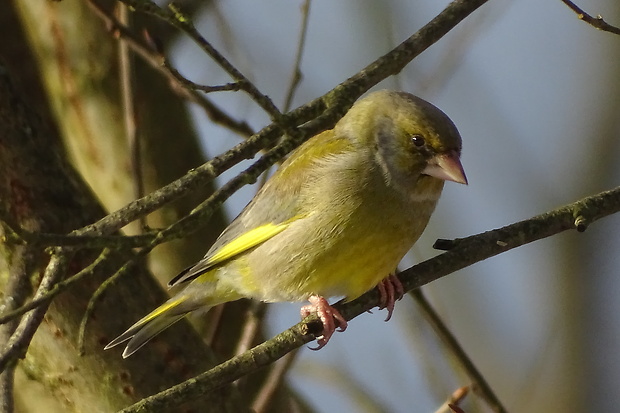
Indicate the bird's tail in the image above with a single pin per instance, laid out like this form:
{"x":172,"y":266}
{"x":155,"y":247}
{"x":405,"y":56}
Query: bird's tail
{"x":154,"y":323}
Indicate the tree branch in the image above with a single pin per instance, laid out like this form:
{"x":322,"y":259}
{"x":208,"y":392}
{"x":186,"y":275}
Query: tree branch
{"x":182,"y":86}
{"x":466,"y":251}
{"x":17,"y":345}
{"x":41,"y":192}
{"x":296,"y":76}
{"x":597,"y":21}
{"x":481,"y":386}
{"x":176,"y":18}
{"x":317,"y":115}
{"x":45,"y":297}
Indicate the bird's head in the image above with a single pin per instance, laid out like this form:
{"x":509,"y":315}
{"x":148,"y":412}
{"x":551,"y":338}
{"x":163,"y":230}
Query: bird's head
{"x":409,"y":137}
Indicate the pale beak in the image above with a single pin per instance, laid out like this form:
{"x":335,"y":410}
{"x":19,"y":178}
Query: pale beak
{"x":446,"y":166}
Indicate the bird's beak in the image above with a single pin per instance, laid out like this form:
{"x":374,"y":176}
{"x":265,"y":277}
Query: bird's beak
{"x":446,"y":166}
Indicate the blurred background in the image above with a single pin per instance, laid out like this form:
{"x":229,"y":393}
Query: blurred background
{"x":536,"y":97}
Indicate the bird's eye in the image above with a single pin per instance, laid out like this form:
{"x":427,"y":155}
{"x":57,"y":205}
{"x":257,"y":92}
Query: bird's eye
{"x":418,"y":140}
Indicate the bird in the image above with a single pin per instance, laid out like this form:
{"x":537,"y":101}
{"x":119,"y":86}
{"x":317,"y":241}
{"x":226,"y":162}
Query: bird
{"x":334,"y":220}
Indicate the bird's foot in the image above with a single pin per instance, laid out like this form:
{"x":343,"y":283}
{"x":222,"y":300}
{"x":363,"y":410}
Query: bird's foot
{"x":390,"y":290}
{"x":330,"y":317}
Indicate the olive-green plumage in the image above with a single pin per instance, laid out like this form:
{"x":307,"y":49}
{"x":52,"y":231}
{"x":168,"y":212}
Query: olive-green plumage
{"x":334,"y":220}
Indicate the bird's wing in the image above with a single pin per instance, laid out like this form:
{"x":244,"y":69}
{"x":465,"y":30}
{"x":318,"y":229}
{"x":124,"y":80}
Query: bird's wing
{"x":274,"y":207}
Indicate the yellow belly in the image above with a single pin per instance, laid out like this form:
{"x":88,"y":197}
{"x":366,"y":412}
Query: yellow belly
{"x":343,"y":251}
{"x":315,"y":258}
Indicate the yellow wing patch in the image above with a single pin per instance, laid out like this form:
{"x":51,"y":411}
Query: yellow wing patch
{"x":246,"y":241}
{"x":230,"y":250}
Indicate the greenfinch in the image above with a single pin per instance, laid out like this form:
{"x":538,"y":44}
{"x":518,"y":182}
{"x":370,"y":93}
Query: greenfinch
{"x":334,"y":220}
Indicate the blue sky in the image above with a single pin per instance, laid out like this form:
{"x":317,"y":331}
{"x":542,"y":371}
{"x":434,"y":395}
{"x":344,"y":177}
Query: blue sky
{"x":535,"y":95}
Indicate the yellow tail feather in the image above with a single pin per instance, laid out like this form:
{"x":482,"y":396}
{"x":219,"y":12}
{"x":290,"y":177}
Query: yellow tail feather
{"x":152,"y":324}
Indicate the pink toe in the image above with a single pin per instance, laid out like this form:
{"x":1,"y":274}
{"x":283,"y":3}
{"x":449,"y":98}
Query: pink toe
{"x":390,"y":290}
{"x":330,"y":317}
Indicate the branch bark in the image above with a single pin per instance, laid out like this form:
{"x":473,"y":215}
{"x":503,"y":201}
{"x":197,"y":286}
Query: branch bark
{"x":301,"y":123}
{"x":463,"y":253}
{"x":40,"y":191}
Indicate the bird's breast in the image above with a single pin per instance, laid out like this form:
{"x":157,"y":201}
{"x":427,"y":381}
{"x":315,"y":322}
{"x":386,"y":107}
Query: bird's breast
{"x":344,"y":248}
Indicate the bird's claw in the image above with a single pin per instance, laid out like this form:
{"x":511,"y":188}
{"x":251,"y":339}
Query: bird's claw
{"x":330,"y":317}
{"x":390,"y":290}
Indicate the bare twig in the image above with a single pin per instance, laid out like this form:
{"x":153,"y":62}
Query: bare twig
{"x":346,"y":383}
{"x":19,"y":341}
{"x":210,"y":331}
{"x":16,"y":292}
{"x":597,"y":21}
{"x":482,"y":387}
{"x":7,"y":385}
{"x":272,"y":382}
{"x":185,"y":24}
{"x":318,"y":115}
{"x":126,"y":74}
{"x":191,"y":222}
{"x":296,"y":76}
{"x":118,"y":242}
{"x":195,"y":179}
{"x":102,"y":288}
{"x":154,"y":57}
{"x":46,"y":297}
{"x":230,"y":87}
{"x":17,"y":235}
{"x":455,"y":399}
{"x":315,"y":116}
{"x":468,"y":251}
{"x":175,"y":17}
{"x":251,"y":327}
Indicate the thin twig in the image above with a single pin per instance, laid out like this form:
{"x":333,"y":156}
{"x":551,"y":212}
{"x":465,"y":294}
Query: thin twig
{"x":18,"y":343}
{"x":455,"y":399}
{"x":116,"y":242}
{"x":345,"y":383}
{"x":273,"y":382}
{"x":154,"y":57}
{"x":174,"y":16}
{"x":471,"y":250}
{"x":102,"y":288}
{"x":229,"y":371}
{"x":211,"y":329}
{"x":196,"y":178}
{"x":7,"y":388}
{"x":597,"y":21}
{"x":185,"y":24}
{"x":251,"y":326}
{"x":482,"y":387}
{"x":228,"y":87}
{"x":317,"y":115}
{"x":46,"y":297}
{"x":249,"y":332}
{"x":296,"y":76}
{"x":16,"y":292}
{"x":126,"y":74}
{"x":44,"y":239}
{"x":192,"y":222}
{"x":203,"y":211}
